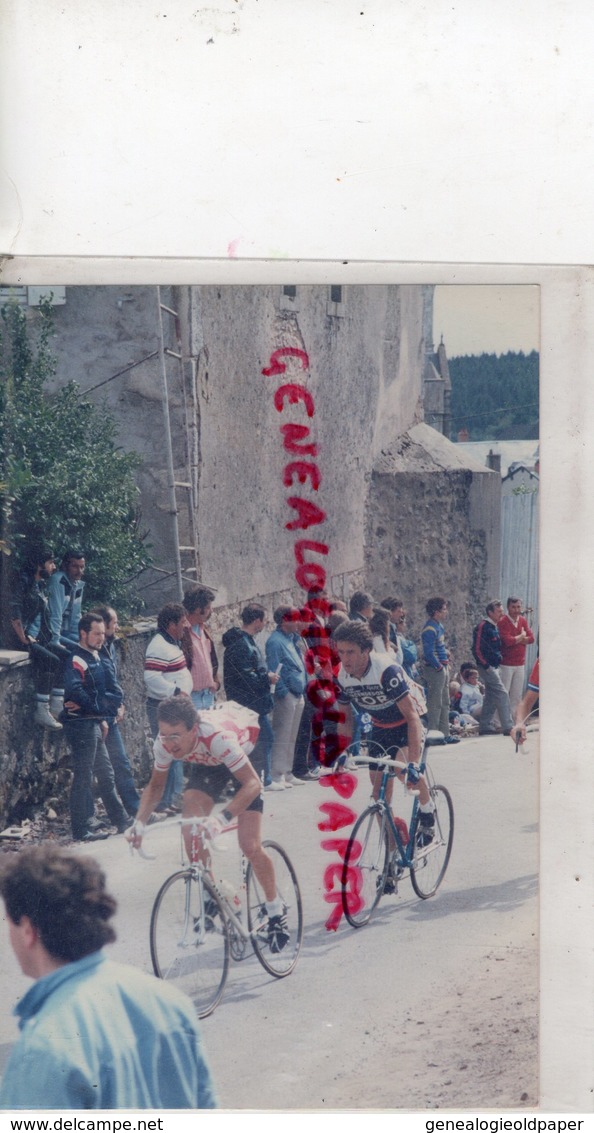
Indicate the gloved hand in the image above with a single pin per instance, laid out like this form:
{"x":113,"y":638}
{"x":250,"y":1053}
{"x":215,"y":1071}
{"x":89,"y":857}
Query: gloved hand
{"x":212,"y":826}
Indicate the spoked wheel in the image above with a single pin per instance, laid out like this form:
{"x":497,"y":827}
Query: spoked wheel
{"x":279,"y":962}
{"x":365,"y":867}
{"x":190,"y":939}
{"x":430,"y":862}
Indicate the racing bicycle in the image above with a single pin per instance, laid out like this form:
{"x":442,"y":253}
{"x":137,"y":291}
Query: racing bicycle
{"x":381,"y":850}
{"x":198,"y":924}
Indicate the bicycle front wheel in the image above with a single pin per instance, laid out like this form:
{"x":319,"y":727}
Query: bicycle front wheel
{"x":277,"y":963}
{"x":189,"y":938}
{"x":365,"y":867}
{"x":430,"y":862}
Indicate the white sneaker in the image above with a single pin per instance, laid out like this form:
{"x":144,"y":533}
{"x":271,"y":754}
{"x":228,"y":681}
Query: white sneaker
{"x":287,"y":782}
{"x":276,"y":785}
{"x":293,"y":781}
{"x":43,"y":715}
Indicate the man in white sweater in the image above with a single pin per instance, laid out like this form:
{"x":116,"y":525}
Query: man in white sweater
{"x":166,"y":673}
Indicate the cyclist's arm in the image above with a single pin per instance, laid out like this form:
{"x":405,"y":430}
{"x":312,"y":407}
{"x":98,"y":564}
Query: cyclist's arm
{"x":414,"y":727}
{"x":151,"y":795}
{"x":249,"y":790}
{"x":518,"y":732}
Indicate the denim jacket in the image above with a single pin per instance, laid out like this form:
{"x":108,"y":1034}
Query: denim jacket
{"x":283,"y":649}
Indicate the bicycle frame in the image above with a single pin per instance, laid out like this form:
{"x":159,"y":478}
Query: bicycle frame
{"x":406,"y":853}
{"x":200,"y":869}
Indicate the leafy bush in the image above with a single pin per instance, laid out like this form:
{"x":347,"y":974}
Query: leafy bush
{"x":64,"y":480}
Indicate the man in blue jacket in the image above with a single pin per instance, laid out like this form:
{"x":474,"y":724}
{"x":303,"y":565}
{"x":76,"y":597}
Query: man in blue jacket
{"x":248,"y":681}
{"x":436,"y":673}
{"x":94,"y":1034}
{"x":486,"y":648}
{"x":92,"y":696}
{"x":284,"y":656}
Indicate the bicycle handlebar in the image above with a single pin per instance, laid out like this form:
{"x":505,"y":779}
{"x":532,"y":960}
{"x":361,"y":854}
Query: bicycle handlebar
{"x":384,"y":760}
{"x":410,"y":770}
{"x":196,"y":820}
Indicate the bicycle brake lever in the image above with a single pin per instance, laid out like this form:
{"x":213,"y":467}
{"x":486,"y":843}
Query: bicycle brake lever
{"x":142,"y":853}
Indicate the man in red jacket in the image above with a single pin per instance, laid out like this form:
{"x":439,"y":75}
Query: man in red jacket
{"x":515,"y":634}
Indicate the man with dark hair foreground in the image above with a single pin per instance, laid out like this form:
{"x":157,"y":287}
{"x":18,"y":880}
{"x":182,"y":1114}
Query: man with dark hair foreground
{"x":94,"y":1034}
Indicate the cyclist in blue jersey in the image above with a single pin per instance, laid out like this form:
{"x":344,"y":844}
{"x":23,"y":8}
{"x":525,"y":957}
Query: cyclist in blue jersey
{"x":371,"y":683}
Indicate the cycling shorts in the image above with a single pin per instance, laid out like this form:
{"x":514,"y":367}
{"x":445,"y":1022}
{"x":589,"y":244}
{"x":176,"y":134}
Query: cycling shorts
{"x":391,"y":739}
{"x":215,"y":782}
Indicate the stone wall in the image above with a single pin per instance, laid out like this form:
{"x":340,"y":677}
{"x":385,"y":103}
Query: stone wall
{"x":433,"y":528}
{"x":35,"y":762}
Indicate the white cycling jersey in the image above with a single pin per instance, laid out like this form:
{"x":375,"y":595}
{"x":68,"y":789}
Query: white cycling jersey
{"x":225,"y":735}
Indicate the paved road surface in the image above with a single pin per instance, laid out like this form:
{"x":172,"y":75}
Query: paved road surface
{"x":432,"y":1004}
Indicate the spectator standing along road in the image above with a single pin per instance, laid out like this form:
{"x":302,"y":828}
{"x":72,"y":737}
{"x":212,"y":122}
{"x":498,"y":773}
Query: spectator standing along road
{"x":360,"y":606}
{"x":486,"y":649}
{"x":284,"y":656}
{"x":91,"y":697}
{"x":199,"y":647}
{"x":166,"y":673}
{"x":436,"y":668}
{"x":247,"y":680}
{"x":94,"y":1034}
{"x":515,"y":634}
{"x":124,"y":779}
{"x":315,"y":638}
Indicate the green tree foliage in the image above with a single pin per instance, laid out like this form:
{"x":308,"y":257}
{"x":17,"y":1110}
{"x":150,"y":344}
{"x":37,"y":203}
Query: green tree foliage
{"x":495,"y":396}
{"x":64,"y":480}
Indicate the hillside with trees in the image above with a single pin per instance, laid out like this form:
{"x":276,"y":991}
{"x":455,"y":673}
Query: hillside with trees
{"x":495,"y":396}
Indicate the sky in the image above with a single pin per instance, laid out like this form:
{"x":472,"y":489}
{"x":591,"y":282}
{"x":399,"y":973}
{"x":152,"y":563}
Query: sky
{"x":486,"y":319}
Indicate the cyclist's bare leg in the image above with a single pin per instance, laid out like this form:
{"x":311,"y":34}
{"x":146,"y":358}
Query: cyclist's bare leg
{"x":196,"y":804}
{"x":376,"y":782}
{"x":421,"y":786}
{"x":249,"y":834}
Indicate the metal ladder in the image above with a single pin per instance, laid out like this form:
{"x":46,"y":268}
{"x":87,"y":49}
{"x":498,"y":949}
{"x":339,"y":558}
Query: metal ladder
{"x":189,"y":485}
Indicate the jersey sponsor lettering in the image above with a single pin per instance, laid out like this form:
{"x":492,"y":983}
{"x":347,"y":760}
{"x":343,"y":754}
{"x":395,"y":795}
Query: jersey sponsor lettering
{"x":377,"y":691}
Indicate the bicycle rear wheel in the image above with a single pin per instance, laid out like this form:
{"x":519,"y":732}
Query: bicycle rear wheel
{"x":430,"y":862}
{"x":281,"y":963}
{"x":365,"y":867}
{"x":189,"y":937}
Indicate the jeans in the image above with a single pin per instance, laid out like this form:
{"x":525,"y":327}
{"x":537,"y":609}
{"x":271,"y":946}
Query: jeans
{"x":302,"y":743}
{"x":264,"y":744}
{"x":46,"y":664}
{"x":202,"y":698}
{"x":90,"y":757}
{"x":122,"y":770}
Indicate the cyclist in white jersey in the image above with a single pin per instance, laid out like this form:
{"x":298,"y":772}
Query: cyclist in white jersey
{"x":216,"y":744}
